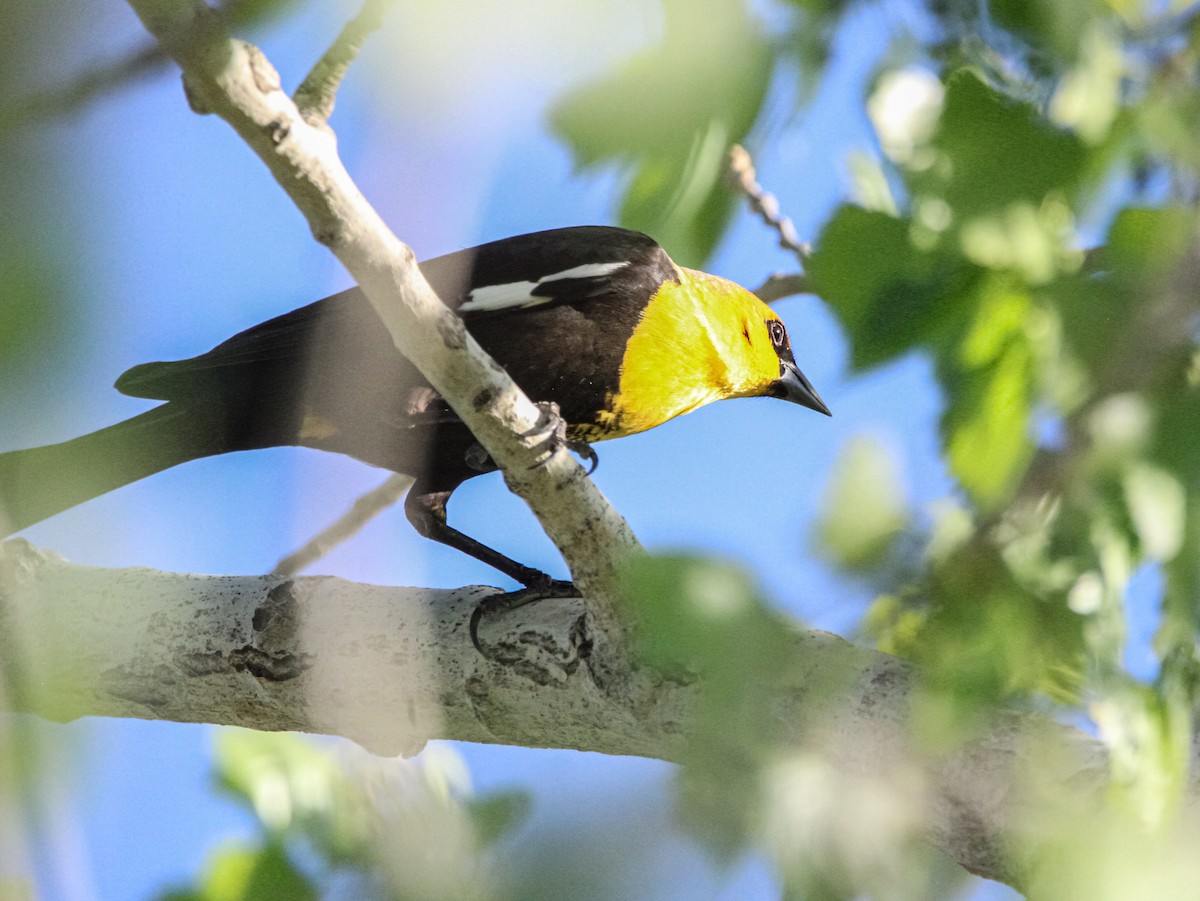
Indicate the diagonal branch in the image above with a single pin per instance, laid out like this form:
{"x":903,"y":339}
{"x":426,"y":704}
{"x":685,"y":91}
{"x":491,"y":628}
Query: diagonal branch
{"x":234,"y":80}
{"x":764,"y":203}
{"x":365,"y":508}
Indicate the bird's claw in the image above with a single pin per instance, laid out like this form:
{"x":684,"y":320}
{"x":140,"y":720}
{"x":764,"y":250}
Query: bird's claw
{"x":478,"y":458}
{"x":551,"y":431}
{"x":586,"y":453}
{"x":511,"y":600}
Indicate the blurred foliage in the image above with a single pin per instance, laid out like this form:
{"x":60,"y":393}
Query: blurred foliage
{"x":346,"y":822}
{"x":669,"y":116}
{"x":33,"y":299}
{"x":744,"y":784}
{"x":1029,"y":225}
{"x":865,"y":508}
{"x":699,"y":616}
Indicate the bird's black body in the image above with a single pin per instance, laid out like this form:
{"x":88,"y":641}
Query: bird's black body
{"x":327,"y":375}
{"x":555,"y":309}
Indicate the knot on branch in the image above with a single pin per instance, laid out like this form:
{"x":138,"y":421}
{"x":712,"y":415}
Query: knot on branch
{"x":545,"y":640}
{"x":276,"y":620}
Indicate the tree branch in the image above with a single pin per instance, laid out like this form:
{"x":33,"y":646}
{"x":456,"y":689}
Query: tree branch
{"x":316,"y":94}
{"x":234,"y":80}
{"x":764,"y":203}
{"x":392,"y":668}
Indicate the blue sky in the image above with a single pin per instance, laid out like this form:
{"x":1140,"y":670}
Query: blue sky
{"x":183,"y":239}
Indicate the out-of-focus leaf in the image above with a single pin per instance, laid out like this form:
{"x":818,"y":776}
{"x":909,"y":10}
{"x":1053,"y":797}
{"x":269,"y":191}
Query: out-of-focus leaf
{"x":292,"y":786}
{"x":1051,"y":28}
{"x":995,"y":151}
{"x":703,"y":618}
{"x":986,"y":638}
{"x":1145,"y":243}
{"x":904,"y":108}
{"x":669,"y":116}
{"x":864,"y":506}
{"x":251,"y":13}
{"x":495,"y":816}
{"x":889,"y":296}
{"x":241,"y":874}
{"x":989,"y":399}
{"x":1088,"y":98}
{"x":1157,"y":506}
{"x":30,"y":311}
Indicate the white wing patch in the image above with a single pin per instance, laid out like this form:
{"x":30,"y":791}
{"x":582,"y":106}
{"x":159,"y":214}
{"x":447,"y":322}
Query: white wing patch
{"x":490,"y":298}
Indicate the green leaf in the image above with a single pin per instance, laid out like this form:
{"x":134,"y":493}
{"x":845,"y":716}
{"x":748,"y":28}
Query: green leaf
{"x":995,"y":151}
{"x":34,"y":307}
{"x":890,"y":296}
{"x":1148,"y":243}
{"x":864,"y":507}
{"x":498,"y":815}
{"x":986,"y":426}
{"x":703,"y":620}
{"x":295,"y":789}
{"x":1050,"y":26}
{"x":669,"y":117}
{"x":242,"y":874}
{"x":1157,"y":505}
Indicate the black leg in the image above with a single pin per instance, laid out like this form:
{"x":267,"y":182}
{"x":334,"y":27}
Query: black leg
{"x":426,"y":510}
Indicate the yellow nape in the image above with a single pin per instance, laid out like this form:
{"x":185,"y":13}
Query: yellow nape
{"x":699,"y":340}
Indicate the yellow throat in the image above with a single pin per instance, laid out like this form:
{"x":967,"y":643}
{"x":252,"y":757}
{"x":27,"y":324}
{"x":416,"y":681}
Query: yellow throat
{"x":699,"y":340}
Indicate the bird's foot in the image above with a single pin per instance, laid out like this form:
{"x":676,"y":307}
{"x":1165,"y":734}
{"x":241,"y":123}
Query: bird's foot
{"x":512,"y":600}
{"x":551,"y":433}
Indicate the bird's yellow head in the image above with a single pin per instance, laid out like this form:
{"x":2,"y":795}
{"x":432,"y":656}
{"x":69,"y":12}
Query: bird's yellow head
{"x":702,"y":339}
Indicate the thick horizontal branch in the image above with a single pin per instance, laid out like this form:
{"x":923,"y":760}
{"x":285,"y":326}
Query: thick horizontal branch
{"x":235,"y":81}
{"x":392,"y":668}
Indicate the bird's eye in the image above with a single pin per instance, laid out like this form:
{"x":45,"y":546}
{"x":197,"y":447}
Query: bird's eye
{"x":778,"y":333}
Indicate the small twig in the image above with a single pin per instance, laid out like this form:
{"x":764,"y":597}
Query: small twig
{"x":103,"y":79}
{"x":783,"y":284}
{"x":316,"y":94}
{"x":741,"y":167}
{"x":109,"y":77}
{"x":366,"y":508}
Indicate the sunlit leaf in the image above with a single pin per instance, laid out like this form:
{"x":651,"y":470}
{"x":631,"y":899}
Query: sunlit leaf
{"x":864,"y":506}
{"x":889,"y":296}
{"x":1157,"y":505}
{"x":703,"y":620}
{"x":990,"y":394}
{"x":241,"y":874}
{"x":669,"y":116}
{"x":996,"y":151}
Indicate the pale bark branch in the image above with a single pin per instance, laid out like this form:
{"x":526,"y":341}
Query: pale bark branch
{"x":234,"y":80}
{"x":781,"y":285}
{"x":392,"y":668}
{"x":764,"y":203}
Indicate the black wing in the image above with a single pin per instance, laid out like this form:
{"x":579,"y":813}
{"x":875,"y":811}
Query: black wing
{"x":569,"y":299}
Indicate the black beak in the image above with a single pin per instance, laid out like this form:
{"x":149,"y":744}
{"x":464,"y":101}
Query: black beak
{"x":792,"y":385}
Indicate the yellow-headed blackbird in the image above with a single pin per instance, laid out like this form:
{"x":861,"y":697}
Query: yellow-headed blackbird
{"x":596,"y":320}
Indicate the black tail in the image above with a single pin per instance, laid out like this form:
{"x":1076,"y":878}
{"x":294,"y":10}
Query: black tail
{"x":42,"y":481}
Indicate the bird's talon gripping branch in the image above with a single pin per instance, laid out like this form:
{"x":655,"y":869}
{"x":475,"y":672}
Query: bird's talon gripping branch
{"x":478,"y":458}
{"x":549,"y":432}
{"x":586,"y":453}
{"x":496,"y":604}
